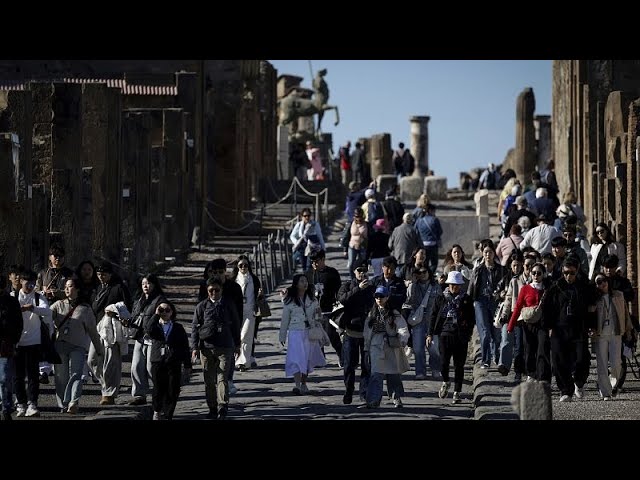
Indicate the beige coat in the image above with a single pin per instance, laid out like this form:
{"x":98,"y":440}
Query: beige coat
{"x":620,"y":306}
{"x":385,"y":359}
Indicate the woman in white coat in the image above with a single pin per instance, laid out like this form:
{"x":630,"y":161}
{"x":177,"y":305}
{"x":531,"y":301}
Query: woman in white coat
{"x":298,"y":312}
{"x":385,"y":336}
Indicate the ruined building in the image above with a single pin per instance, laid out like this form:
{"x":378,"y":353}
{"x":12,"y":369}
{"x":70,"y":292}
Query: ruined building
{"x":123,"y":159}
{"x":596,"y":125}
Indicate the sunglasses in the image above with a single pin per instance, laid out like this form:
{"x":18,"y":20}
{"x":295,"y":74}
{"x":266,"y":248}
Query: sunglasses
{"x":243,"y":265}
{"x":600,"y":281}
{"x":164,"y":310}
{"x":536,"y":272}
{"x":361,"y":270}
{"x":568,"y":234}
{"x":306,"y":216}
{"x":213,"y":289}
{"x":569,"y":273}
{"x":380,"y":296}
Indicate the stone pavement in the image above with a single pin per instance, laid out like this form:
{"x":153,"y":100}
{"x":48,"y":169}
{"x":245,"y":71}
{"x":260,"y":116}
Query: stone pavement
{"x":265,"y":393}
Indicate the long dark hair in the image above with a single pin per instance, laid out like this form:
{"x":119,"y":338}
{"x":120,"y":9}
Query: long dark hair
{"x":236,"y":270}
{"x":448,"y":258}
{"x":157,"y":288}
{"x":292,"y":291}
{"x":596,"y":239}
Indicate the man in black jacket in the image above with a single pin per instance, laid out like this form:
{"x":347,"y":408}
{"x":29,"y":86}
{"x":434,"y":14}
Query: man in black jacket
{"x":232,"y":292}
{"x":111,"y":291}
{"x":357,"y":298}
{"x":11,"y":324}
{"x":567,"y":315}
{"x":215,"y":332}
{"x":326,"y":282}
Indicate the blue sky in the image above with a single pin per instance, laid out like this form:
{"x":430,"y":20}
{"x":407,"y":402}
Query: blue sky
{"x":472,"y":103}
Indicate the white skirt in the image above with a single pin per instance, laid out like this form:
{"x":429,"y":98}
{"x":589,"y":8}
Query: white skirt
{"x":302,"y":355}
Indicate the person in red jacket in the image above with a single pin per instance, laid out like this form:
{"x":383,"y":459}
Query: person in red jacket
{"x":536,"y":341}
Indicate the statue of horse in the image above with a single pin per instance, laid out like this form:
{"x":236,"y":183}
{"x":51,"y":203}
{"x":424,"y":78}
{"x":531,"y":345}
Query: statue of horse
{"x":293,"y":106}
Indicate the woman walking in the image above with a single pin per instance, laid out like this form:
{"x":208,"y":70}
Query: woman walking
{"x":298,"y":312}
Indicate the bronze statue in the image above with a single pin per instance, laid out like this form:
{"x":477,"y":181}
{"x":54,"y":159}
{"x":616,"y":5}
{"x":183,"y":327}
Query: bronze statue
{"x":293,"y":106}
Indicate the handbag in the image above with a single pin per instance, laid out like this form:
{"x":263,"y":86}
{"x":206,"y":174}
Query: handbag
{"x":316,"y":331}
{"x":264,"y":311}
{"x":499,"y":314}
{"x":418,"y":315}
{"x":532,"y":314}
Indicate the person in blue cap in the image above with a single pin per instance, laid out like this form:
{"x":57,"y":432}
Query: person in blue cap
{"x":385,"y":336}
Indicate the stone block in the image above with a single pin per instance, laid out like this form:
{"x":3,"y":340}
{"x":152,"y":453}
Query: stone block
{"x":385,"y":182}
{"x":436,"y":187}
{"x":411,"y":188}
{"x":532,"y":401}
{"x":481,"y":198}
{"x":462,"y":230}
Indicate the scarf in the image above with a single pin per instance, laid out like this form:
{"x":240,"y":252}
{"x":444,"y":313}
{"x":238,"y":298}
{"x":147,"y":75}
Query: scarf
{"x":451,"y":302}
{"x":536,"y":285}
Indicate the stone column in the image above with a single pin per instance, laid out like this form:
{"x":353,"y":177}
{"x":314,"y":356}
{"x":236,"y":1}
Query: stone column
{"x":19,"y":110}
{"x":175,"y":209}
{"x":11,"y":230}
{"x":525,"y":157}
{"x":135,"y":229}
{"x":100,"y":179}
{"x":284,"y":168}
{"x":633,"y":244}
{"x":420,"y":144}
{"x":378,"y":152}
{"x":66,"y":205}
{"x":542,"y":124}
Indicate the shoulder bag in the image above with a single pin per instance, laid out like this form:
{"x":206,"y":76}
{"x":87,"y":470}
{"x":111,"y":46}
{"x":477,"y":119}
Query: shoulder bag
{"x":418,"y":314}
{"x":532,"y":314}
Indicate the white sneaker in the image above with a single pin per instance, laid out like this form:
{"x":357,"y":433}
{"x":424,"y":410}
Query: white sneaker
{"x":32,"y":411}
{"x":21,"y":409}
{"x":565,"y":398}
{"x":579,"y":392}
{"x":232,"y":388}
{"x":444,"y":389}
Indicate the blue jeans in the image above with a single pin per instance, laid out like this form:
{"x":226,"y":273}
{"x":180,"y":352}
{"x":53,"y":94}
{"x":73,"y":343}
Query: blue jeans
{"x":506,"y":347}
{"x":352,"y":350}
{"x":418,"y":338}
{"x":489,"y":335}
{"x":518,"y":350}
{"x":69,"y":374}
{"x":7,"y":374}
{"x":395,"y":388}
